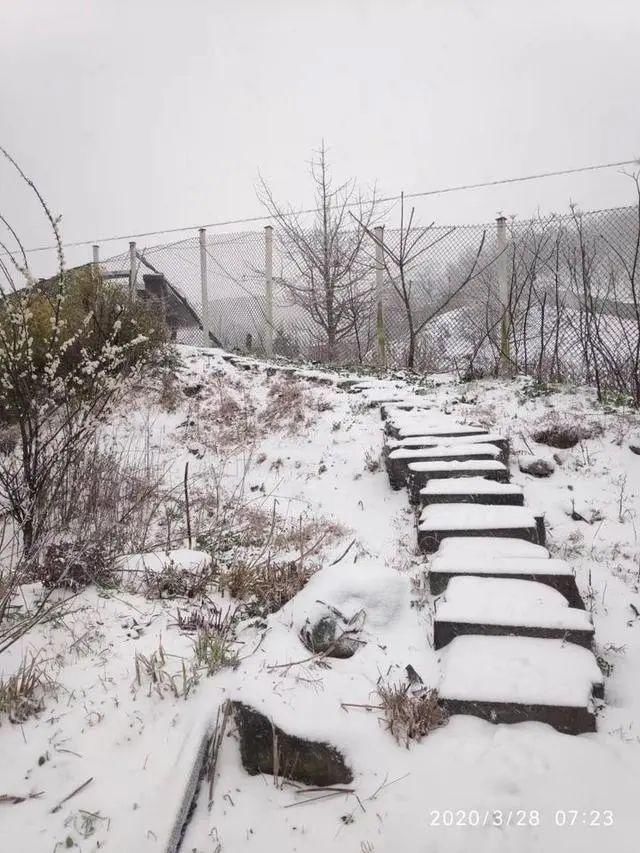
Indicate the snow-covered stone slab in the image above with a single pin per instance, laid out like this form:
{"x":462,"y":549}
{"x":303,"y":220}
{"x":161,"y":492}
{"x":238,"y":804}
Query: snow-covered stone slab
{"x":439,"y":521}
{"x":401,"y":399}
{"x":401,"y":424}
{"x":499,"y":606}
{"x":554,"y":573}
{"x":405,"y":404}
{"x":518,"y":679}
{"x":398,"y":461}
{"x":470,"y":490}
{"x":418,"y":442}
{"x":455,"y":547}
{"x":420,"y":473}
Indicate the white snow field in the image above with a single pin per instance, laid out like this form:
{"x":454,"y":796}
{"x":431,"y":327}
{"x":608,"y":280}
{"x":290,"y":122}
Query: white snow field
{"x":126,"y":751}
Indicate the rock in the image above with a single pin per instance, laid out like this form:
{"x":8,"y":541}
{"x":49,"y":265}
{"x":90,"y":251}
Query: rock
{"x":192,"y":390}
{"x":634,"y":445}
{"x":333,"y":634}
{"x":536,"y":466}
{"x":308,"y":761}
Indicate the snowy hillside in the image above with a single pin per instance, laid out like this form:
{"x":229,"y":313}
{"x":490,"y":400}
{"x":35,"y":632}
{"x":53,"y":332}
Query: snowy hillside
{"x":292,"y":518}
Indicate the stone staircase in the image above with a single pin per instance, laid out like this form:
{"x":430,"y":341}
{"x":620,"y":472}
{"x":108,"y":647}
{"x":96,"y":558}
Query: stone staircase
{"x":514,"y":637}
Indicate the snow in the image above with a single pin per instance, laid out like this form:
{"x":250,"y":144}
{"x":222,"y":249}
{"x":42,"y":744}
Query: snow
{"x":469,"y":486}
{"x":524,"y":670}
{"x":457,"y":466}
{"x":378,"y":591}
{"x":504,"y":601}
{"x":418,"y":441}
{"x":488,"y":546}
{"x":446,"y":451}
{"x":182,"y":559}
{"x":467,"y":516}
{"x":480,"y":563}
{"x":408,"y":427}
{"x":139,"y":747}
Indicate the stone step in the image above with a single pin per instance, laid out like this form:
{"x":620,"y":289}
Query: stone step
{"x":419,"y":442}
{"x":477,"y":490}
{"x":457,"y":547}
{"x":518,"y":679}
{"x":401,"y":424}
{"x":554,"y":573}
{"x":397,"y":463}
{"x":420,"y":473}
{"x":439,"y":521}
{"x":397,"y":455}
{"x":503,"y":606}
{"x":411,"y":403}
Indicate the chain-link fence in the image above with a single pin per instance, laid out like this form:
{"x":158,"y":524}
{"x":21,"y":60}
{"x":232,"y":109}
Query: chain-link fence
{"x":555,"y":297}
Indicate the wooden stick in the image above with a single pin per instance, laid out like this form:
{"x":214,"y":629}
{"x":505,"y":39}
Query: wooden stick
{"x":72,"y":794}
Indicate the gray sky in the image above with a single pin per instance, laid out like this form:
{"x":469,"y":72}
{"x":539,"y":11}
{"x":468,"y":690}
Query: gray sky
{"x":136,"y":115}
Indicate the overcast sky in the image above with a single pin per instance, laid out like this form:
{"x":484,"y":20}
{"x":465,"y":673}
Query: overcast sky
{"x":137,"y":115}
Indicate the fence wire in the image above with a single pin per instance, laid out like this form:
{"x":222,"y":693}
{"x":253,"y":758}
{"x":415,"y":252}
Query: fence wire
{"x":553,"y":297}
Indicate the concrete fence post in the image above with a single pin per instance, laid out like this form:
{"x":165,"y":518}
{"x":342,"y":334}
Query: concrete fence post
{"x":133,"y":269}
{"x":95,"y":263}
{"x":268,"y":292}
{"x":503,"y":292}
{"x":204,"y":287}
{"x":380,"y":333}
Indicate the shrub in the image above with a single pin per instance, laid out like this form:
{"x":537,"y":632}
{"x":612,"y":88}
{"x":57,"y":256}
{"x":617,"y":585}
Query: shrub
{"x":72,"y":566}
{"x":100,"y":329}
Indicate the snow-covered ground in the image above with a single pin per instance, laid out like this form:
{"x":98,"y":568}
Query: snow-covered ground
{"x":529,"y":787}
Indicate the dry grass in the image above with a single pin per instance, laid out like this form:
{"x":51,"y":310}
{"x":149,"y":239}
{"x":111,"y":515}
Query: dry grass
{"x":75,"y":566}
{"x":292,"y":405}
{"x":563,"y":433}
{"x":223,"y":417}
{"x":22,"y":694}
{"x":267,"y":587}
{"x":270,"y":559}
{"x":176,"y":582}
{"x":410,"y":716}
{"x":169,"y":395}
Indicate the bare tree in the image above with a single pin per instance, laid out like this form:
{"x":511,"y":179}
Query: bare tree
{"x":330,"y":268}
{"x":399,"y":260}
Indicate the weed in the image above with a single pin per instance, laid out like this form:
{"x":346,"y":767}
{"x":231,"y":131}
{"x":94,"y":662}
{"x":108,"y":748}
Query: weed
{"x":153,"y":669}
{"x":410,"y":716}
{"x":372,"y":461}
{"x":213,"y":650}
{"x":21,"y":695}
{"x":208,"y":617}
{"x":169,"y":396}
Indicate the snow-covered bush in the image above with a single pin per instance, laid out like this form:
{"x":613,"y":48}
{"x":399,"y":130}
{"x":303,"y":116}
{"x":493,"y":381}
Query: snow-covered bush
{"x":67,"y":347}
